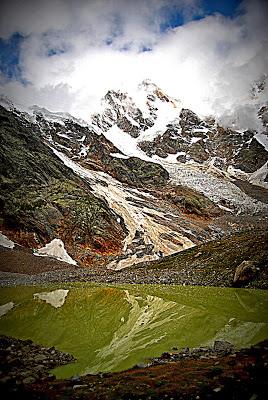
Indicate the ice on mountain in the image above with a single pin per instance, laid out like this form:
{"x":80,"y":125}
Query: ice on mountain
{"x":63,"y":135}
{"x":124,"y":142}
{"x":200,"y":130}
{"x":82,"y":139}
{"x":195,"y":140}
{"x":258,"y":177}
{"x":262,"y":139}
{"x":64,"y":147}
{"x":213,"y":183}
{"x":59,"y":117}
{"x":83,"y":152}
{"x":118,"y":155}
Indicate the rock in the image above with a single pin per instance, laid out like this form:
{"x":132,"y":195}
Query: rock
{"x":29,"y":362}
{"x":245,"y":272}
{"x":140,"y":365}
{"x":29,"y":380}
{"x":79,"y":386}
{"x":75,"y":378}
{"x":222,"y":345}
{"x":39,"y":358}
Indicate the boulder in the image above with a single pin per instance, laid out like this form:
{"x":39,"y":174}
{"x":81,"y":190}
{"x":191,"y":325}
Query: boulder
{"x":222,"y":345}
{"x":245,"y":272}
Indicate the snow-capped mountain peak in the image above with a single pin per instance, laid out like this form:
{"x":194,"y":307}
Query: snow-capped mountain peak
{"x":153,"y":126}
{"x":138,"y":111}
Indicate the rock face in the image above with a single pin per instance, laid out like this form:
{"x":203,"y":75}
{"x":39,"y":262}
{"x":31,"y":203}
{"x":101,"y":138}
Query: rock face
{"x":50,"y":201}
{"x":203,"y":140}
{"x":162,"y":128}
{"x":42,"y":199}
{"x":83,"y":144}
{"x":120,"y":109}
{"x":216,"y":263}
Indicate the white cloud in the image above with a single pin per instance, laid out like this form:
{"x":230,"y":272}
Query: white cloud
{"x":209,"y":64}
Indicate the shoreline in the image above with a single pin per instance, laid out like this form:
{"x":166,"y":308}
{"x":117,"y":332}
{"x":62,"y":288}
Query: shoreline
{"x":217,"y":372}
{"x":127,"y":276}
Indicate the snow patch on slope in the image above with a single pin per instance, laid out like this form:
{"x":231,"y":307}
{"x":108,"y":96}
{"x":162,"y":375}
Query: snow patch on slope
{"x":166,"y":114}
{"x":118,"y":155}
{"x":5,"y":242}
{"x":56,"y":250}
{"x":125,"y":143}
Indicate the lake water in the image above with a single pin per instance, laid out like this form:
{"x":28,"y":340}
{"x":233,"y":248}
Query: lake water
{"x":112,"y":328}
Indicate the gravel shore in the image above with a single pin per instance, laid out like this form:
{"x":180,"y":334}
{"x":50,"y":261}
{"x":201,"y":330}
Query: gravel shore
{"x":220,"y":372}
{"x":97,"y":275}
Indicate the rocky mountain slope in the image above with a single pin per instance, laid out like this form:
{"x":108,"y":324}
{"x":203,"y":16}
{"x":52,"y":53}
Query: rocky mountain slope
{"x":142,"y":179}
{"x":42,"y":199}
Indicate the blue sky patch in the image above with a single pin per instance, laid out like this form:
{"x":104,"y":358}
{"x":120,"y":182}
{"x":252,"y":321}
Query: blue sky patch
{"x":174,"y":17}
{"x":10,"y":56}
{"x":228,"y":8}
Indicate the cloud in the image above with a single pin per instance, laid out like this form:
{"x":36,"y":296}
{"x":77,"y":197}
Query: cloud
{"x":73,"y":53}
{"x":27,"y":16}
{"x":98,"y":18}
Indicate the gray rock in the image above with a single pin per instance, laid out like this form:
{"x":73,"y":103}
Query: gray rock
{"x":75,"y":378}
{"x":39,"y":358}
{"x":222,"y":345}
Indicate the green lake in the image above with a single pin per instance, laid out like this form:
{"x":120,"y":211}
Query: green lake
{"x":112,"y":328}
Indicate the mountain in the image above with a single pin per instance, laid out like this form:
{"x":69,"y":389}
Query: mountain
{"x":142,"y":179}
{"x":186,"y":145}
{"x":163,"y":129}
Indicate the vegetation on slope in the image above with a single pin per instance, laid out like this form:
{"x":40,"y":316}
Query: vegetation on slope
{"x":41,"y":198}
{"x":214,"y":263}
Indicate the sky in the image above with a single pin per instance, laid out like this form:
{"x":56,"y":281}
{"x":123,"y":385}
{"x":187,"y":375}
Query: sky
{"x":64,"y":55}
